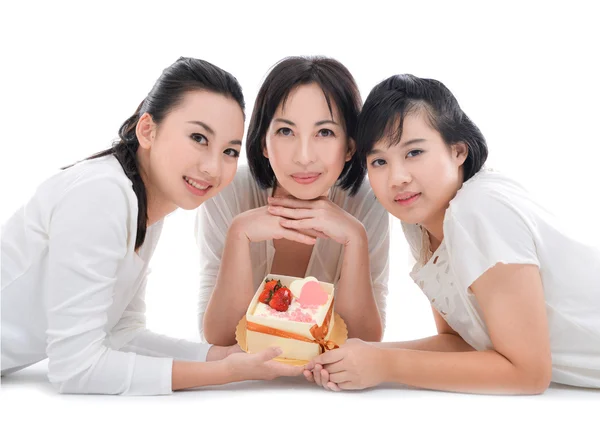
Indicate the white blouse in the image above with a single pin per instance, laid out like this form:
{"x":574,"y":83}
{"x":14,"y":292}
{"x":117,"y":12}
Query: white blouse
{"x":73,"y":287}
{"x":215,"y":216}
{"x":494,"y":220}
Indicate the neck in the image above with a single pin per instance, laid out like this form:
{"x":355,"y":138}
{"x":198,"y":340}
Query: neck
{"x":157,"y":204}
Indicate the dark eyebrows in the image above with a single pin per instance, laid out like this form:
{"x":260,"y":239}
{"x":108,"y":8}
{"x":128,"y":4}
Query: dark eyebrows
{"x":319,"y":123}
{"x":235,"y":142}
{"x":375,"y":151}
{"x":204,"y":125}
{"x":322,"y":122}
{"x":287,"y":122}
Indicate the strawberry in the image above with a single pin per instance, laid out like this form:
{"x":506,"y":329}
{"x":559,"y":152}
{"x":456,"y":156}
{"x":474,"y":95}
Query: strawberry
{"x":281,"y":299}
{"x":273,"y":285}
{"x":265,"y":296}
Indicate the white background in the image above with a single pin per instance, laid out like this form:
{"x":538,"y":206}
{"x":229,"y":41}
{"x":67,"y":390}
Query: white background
{"x":525,"y":72}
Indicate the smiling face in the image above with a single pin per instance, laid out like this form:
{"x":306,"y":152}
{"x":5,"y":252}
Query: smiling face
{"x":416,"y":179}
{"x":306,"y":144}
{"x":193,"y":153}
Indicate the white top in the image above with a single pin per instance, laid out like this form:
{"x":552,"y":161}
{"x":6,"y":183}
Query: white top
{"x":215,"y":216}
{"x":493,"y":219}
{"x":73,"y":287}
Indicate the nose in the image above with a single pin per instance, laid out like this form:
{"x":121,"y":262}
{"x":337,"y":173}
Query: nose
{"x":399,"y":175}
{"x":210,"y":164}
{"x":304,"y":153}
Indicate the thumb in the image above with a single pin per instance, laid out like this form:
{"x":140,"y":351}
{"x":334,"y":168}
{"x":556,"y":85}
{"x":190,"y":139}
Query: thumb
{"x":269,"y":353}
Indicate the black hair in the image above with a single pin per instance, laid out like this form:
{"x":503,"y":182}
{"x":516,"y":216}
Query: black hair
{"x":337,"y":85}
{"x":183,"y":76}
{"x":393,"y":99}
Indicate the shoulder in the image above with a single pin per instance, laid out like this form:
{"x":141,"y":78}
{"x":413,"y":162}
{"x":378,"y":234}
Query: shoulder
{"x":96,"y":187}
{"x":488,"y":193}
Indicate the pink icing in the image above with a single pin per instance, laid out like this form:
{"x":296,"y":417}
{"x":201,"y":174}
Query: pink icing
{"x":312,"y":295}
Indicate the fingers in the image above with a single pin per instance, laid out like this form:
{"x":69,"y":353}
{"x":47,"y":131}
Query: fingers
{"x":297,"y":203}
{"x":309,"y":376}
{"x":324,"y":377}
{"x":291,"y":213}
{"x":339,"y":377}
{"x":307,"y":224}
{"x":336,"y":367}
{"x":327,"y":358}
{"x":333,"y":386}
{"x":295,"y":236}
{"x":317,"y":375}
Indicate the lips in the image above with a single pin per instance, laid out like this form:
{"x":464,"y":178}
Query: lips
{"x":406,"y":198}
{"x":197,"y":187}
{"x":305,"y":177}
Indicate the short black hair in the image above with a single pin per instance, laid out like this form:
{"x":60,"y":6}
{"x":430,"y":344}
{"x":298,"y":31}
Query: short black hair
{"x":338,"y":86}
{"x":394,"y":98}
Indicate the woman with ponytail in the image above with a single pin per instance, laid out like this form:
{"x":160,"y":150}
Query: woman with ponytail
{"x":76,"y":255}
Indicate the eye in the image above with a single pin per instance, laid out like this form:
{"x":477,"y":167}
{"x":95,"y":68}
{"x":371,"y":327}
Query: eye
{"x":414,"y":153}
{"x":232,"y":153}
{"x":326,"y":132}
{"x":199,"y":138}
{"x":378,"y":162}
{"x":285,"y":131}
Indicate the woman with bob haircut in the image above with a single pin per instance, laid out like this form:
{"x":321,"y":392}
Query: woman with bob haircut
{"x":515,"y":296}
{"x":302,"y":207}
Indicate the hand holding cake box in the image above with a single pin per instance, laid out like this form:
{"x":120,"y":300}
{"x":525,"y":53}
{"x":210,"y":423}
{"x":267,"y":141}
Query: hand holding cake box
{"x":295,"y":314}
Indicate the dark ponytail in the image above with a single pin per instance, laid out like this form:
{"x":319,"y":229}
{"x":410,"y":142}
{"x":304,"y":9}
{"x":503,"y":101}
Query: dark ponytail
{"x":185,"y":75}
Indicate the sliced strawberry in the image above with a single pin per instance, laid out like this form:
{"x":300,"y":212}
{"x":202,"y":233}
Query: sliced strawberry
{"x":280,"y":301}
{"x":265,"y":296}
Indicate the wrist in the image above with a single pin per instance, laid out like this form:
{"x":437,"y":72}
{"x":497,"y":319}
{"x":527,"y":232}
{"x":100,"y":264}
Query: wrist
{"x":358,"y":237}
{"x":393,"y":364}
{"x":237,"y":231}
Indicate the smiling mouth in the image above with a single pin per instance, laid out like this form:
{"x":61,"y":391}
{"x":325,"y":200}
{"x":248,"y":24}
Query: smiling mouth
{"x":197,"y":188}
{"x":407,"y":200}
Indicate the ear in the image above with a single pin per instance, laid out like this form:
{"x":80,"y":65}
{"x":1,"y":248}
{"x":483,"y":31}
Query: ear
{"x":264,"y":148}
{"x":145,"y":131}
{"x":351,"y":149}
{"x":460,"y":151}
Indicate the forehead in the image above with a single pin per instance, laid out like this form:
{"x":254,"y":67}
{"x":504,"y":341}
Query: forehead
{"x":223,"y":114}
{"x":308,"y":101}
{"x":416,"y":125}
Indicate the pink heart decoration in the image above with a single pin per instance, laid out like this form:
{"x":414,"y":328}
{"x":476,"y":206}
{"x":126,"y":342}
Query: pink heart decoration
{"x":312,"y":295}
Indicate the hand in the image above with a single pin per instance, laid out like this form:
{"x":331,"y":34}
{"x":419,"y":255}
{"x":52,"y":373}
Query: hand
{"x":260,"y":366}
{"x":259,"y":224}
{"x":319,"y":217}
{"x":355,"y":365}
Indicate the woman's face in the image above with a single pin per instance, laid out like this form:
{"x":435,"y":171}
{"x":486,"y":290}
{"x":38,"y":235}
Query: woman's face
{"x":416,"y":179}
{"x":193,"y":153}
{"x":306,"y":144}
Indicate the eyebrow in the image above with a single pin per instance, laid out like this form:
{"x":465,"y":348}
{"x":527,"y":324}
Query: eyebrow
{"x":319,"y":123}
{"x":212,"y":132}
{"x":405,"y":144}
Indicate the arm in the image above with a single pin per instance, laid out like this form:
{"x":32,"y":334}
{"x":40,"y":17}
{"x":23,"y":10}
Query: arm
{"x":355,"y":300}
{"x":87,"y":243}
{"x":447,"y":340}
{"x":511,"y":298}
{"x":233,"y":287}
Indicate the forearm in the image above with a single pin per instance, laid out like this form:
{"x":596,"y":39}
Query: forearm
{"x":199,"y":374}
{"x":440,"y":343}
{"x":355,"y":301}
{"x":233,"y":291}
{"x":469,"y":372}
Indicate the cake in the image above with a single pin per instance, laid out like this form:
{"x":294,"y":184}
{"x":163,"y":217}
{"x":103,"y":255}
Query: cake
{"x":295,"y":314}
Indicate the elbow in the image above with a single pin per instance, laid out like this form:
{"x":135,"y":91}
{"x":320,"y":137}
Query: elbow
{"x":215,"y":337}
{"x":536,"y":381}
